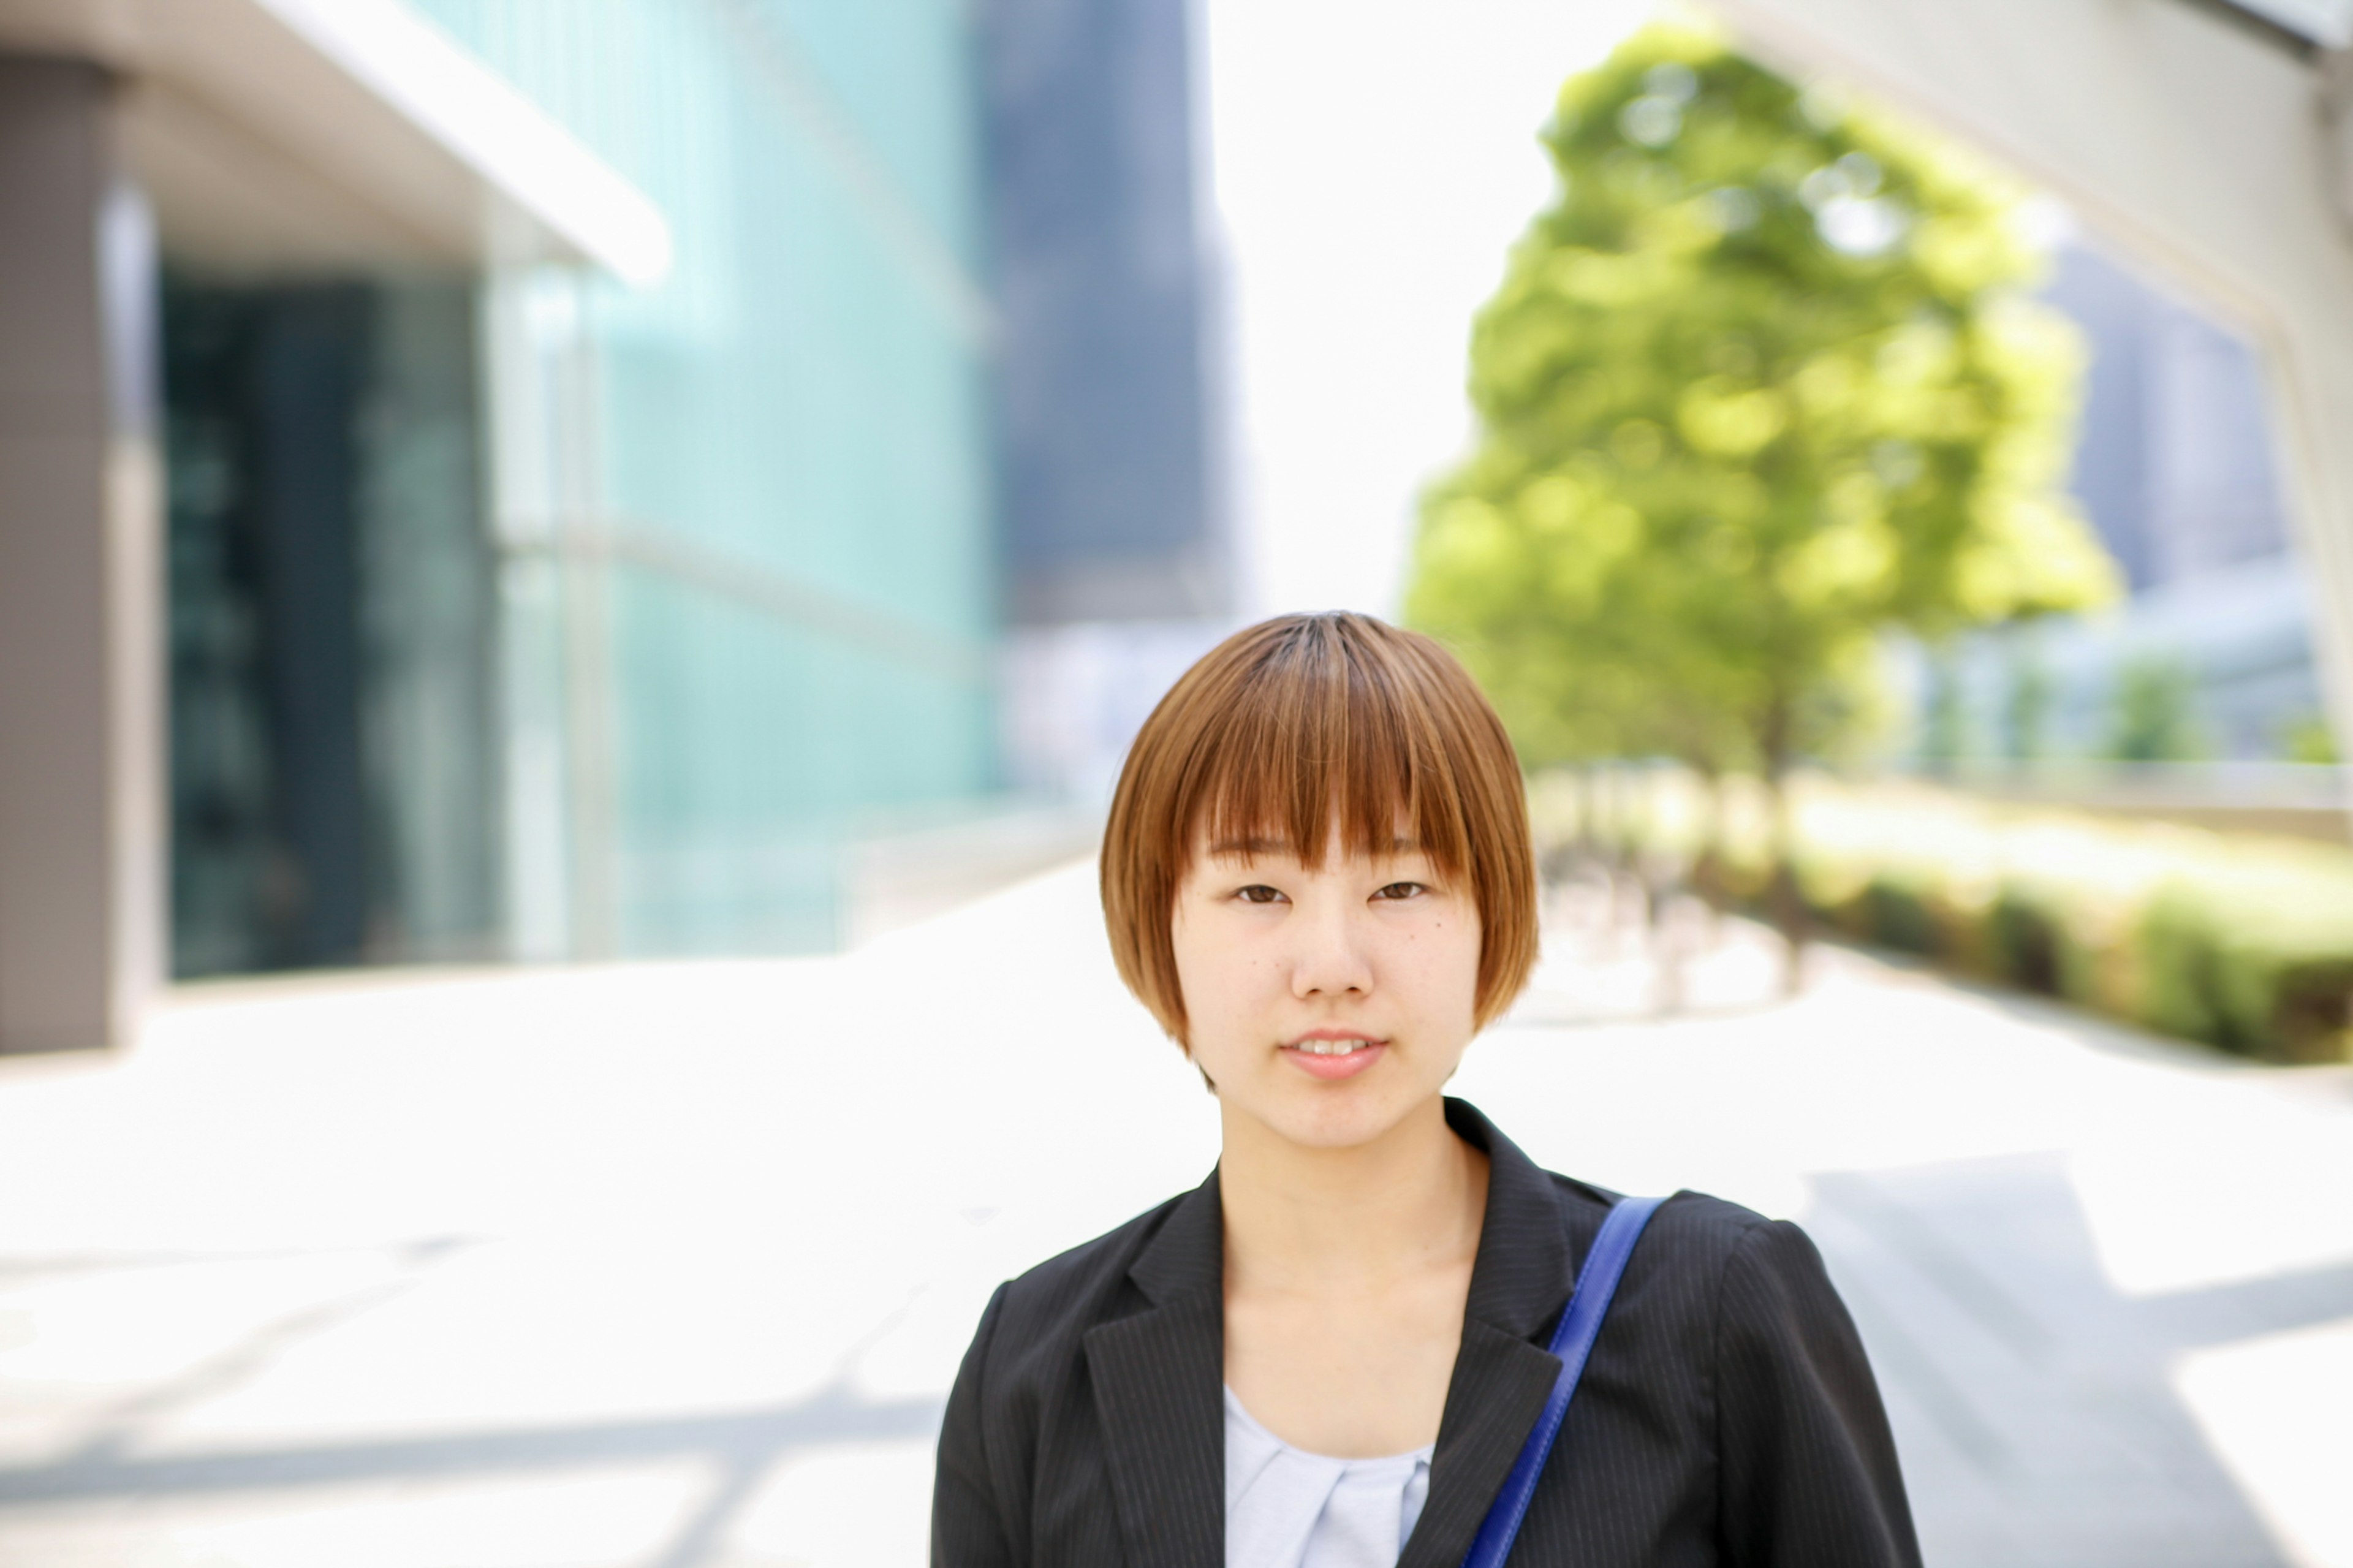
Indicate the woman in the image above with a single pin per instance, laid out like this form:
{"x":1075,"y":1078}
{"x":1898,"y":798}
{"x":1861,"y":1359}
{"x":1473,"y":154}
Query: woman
{"x":1317,"y":876}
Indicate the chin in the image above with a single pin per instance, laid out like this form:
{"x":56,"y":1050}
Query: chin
{"x":1340,"y":1116}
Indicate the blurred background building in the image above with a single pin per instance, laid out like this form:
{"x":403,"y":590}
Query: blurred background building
{"x":2177,"y":466}
{"x":1120,"y":560}
{"x":582,"y":467}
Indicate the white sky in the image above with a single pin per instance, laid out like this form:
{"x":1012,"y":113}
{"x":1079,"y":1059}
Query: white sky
{"x":1372,"y":161}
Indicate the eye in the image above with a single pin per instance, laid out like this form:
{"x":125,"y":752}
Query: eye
{"x":1401,"y":890}
{"x":1259,"y":893}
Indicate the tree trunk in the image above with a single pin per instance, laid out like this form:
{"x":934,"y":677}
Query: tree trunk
{"x":1708,"y":880}
{"x":1787,"y":899}
{"x":1628,"y":902}
{"x":1663,"y":880}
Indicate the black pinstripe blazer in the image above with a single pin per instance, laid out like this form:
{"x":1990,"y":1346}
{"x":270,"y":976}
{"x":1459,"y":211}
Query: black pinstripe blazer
{"x":1727,"y":1415}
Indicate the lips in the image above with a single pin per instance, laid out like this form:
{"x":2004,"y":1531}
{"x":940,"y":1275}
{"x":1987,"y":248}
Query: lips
{"x":1331,"y":1058}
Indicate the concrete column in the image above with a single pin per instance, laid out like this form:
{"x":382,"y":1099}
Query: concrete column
{"x":81,"y":754}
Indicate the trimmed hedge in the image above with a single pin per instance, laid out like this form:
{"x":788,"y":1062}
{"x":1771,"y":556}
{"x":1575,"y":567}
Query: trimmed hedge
{"x":2242,"y":942}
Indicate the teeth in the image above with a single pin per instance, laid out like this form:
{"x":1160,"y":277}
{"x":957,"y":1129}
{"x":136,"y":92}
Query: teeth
{"x":1330,"y":1047}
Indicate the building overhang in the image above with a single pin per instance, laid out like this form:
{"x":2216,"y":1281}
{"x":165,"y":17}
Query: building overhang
{"x":290,"y":138}
{"x":2321,"y":24}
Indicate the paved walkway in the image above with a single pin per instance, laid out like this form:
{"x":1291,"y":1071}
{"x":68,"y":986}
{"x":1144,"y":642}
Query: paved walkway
{"x":667,"y":1267}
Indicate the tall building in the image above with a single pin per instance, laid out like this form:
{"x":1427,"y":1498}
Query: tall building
{"x":2175,"y":464}
{"x":1120,"y":565}
{"x":2178,"y":467}
{"x":495,"y":478}
{"x":1110,"y":515}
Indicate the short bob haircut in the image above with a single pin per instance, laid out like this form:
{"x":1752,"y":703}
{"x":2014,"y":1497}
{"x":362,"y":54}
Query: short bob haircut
{"x":1295,"y":726}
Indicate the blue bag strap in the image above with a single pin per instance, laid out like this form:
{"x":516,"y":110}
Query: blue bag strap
{"x":1580,"y":1324}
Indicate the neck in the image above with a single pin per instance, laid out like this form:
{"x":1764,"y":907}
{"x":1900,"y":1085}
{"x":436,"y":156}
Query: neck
{"x":1302,"y":1218}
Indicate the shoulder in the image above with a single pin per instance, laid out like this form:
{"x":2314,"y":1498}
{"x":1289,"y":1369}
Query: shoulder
{"x":1712,"y":1229}
{"x":1713,"y":1258}
{"x":1083,"y":1285}
{"x":1734,"y":1302}
{"x":1752,"y":1288}
{"x":1694,"y":1227}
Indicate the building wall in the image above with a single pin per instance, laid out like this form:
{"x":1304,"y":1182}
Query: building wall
{"x":2178,"y":469}
{"x":1118,"y":557}
{"x":746,"y":514}
{"x":1097,"y":256}
{"x":2175,"y":463}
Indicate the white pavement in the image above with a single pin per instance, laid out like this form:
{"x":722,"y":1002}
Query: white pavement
{"x":669,"y":1266}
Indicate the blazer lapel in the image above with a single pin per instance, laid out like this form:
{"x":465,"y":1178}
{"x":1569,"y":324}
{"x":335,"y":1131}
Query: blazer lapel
{"x":1159,"y":1377}
{"x":1520,"y":1281}
{"x":1498,"y":1393}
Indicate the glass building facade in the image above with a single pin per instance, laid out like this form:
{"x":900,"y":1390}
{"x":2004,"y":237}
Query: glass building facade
{"x":332,"y":629}
{"x":743,"y":514}
{"x":697,"y":587}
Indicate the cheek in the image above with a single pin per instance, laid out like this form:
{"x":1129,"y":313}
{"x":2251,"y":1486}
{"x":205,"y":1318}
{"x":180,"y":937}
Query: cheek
{"x":1217,"y":973}
{"x":1445,"y":957}
{"x":1223,"y":970}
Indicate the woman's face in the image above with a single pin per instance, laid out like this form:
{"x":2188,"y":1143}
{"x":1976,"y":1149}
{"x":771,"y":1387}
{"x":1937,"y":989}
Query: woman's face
{"x":1325,"y":1004}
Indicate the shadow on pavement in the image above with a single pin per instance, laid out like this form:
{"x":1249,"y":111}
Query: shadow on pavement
{"x":2033,"y":1403}
{"x":741,"y":1446}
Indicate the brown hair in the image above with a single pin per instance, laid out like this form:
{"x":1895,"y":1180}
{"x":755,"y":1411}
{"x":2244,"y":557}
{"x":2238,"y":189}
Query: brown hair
{"x":1296,"y":725}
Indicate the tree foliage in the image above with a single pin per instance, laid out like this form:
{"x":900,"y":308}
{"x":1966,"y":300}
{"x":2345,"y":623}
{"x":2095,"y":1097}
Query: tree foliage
{"x":2154,"y":716}
{"x":1760,"y":387}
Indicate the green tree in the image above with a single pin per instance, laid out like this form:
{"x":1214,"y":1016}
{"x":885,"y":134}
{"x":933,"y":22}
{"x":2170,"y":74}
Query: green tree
{"x":2309,"y":739}
{"x":2154,"y":713}
{"x":1758,"y":388}
{"x":1945,"y":739}
{"x":2026,"y":706}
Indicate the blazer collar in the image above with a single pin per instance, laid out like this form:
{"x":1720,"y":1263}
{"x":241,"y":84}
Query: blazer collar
{"x":1159,"y":1374}
{"x":1520,"y":1280}
{"x":1187,"y":1254}
{"x":1522,"y":1275}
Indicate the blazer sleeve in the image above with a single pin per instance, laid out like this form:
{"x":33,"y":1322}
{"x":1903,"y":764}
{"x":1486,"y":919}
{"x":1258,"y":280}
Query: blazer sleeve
{"x":1810,"y":1476}
{"x":966,"y":1530}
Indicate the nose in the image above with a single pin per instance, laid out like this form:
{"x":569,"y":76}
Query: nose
{"x":1331,"y":959}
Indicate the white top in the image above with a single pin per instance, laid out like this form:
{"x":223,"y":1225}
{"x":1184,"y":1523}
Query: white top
{"x":1286,"y":1507}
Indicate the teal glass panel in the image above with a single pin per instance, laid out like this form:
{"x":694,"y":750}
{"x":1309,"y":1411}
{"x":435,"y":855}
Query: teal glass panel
{"x":789,"y":519}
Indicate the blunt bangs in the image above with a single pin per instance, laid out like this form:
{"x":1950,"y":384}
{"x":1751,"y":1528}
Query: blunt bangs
{"x":1301,"y":730}
{"x":1315,"y":738}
